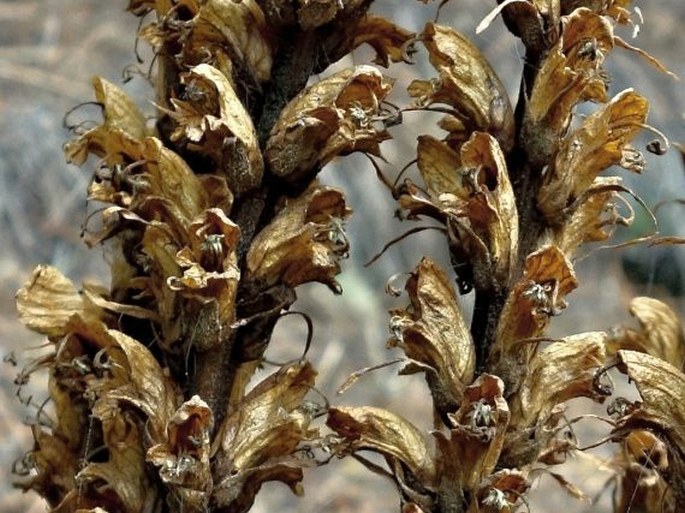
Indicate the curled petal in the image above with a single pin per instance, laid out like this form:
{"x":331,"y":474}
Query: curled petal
{"x":215,"y":123}
{"x":562,"y":371}
{"x":598,"y":144}
{"x":472,"y":450}
{"x":467,"y":83}
{"x":547,"y":278}
{"x":383,"y":432}
{"x":120,"y":112}
{"x":48,"y":300}
{"x":595,"y":217}
{"x":571,"y":73}
{"x":432,"y":332}
{"x":386,"y":38}
{"x":228,"y":28}
{"x":660,"y":334}
{"x":473,"y":190}
{"x":183,"y":457}
{"x":304,"y":242}
{"x":335,"y":116}
{"x":662,"y":410}
{"x":643,"y":461}
{"x":257,"y":442}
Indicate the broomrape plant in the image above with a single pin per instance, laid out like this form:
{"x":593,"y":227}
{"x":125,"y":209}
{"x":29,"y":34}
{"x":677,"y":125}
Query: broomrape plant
{"x":213,"y":216}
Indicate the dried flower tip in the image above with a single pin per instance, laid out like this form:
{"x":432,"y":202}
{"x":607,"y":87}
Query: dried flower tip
{"x":496,"y":499}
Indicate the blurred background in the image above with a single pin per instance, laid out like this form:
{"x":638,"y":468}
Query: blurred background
{"x":50,"y":49}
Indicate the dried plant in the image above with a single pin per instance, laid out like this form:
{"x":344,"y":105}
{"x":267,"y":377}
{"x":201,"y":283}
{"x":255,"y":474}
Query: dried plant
{"x":213,"y":216}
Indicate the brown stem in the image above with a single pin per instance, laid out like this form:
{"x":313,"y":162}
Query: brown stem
{"x":486,"y":312}
{"x":215,"y":373}
{"x":526,"y":180}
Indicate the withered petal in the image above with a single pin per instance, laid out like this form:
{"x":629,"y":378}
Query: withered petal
{"x":269,"y":422}
{"x":47,"y":301}
{"x":304,"y":241}
{"x":660,"y":334}
{"x":335,"y":116}
{"x":432,"y":331}
{"x":564,"y":370}
{"x":471,"y":451}
{"x":467,"y":83}
{"x":381,"y":431}
{"x":590,"y":149}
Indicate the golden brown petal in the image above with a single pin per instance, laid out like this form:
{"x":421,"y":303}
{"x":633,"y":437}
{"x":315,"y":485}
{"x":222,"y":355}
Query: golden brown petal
{"x":547,"y":278}
{"x":662,"y":410}
{"x":432,"y":332}
{"x":473,"y":191}
{"x":214,"y":122}
{"x":47,"y":301}
{"x":595,"y":218}
{"x":467,"y":83}
{"x":183,"y":457}
{"x":303,"y":243}
{"x":564,"y":370}
{"x":440,"y":167}
{"x":472,"y":450}
{"x":492,"y":209}
{"x":335,"y":116}
{"x":238,"y":26}
{"x":598,"y":144}
{"x":660,"y":334}
{"x":119,"y":111}
{"x":571,"y":73}
{"x":121,"y":482}
{"x":257,"y":442}
{"x":500,"y":491}
{"x":642,"y":463}
{"x":383,"y":432}
{"x":386,"y":38}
